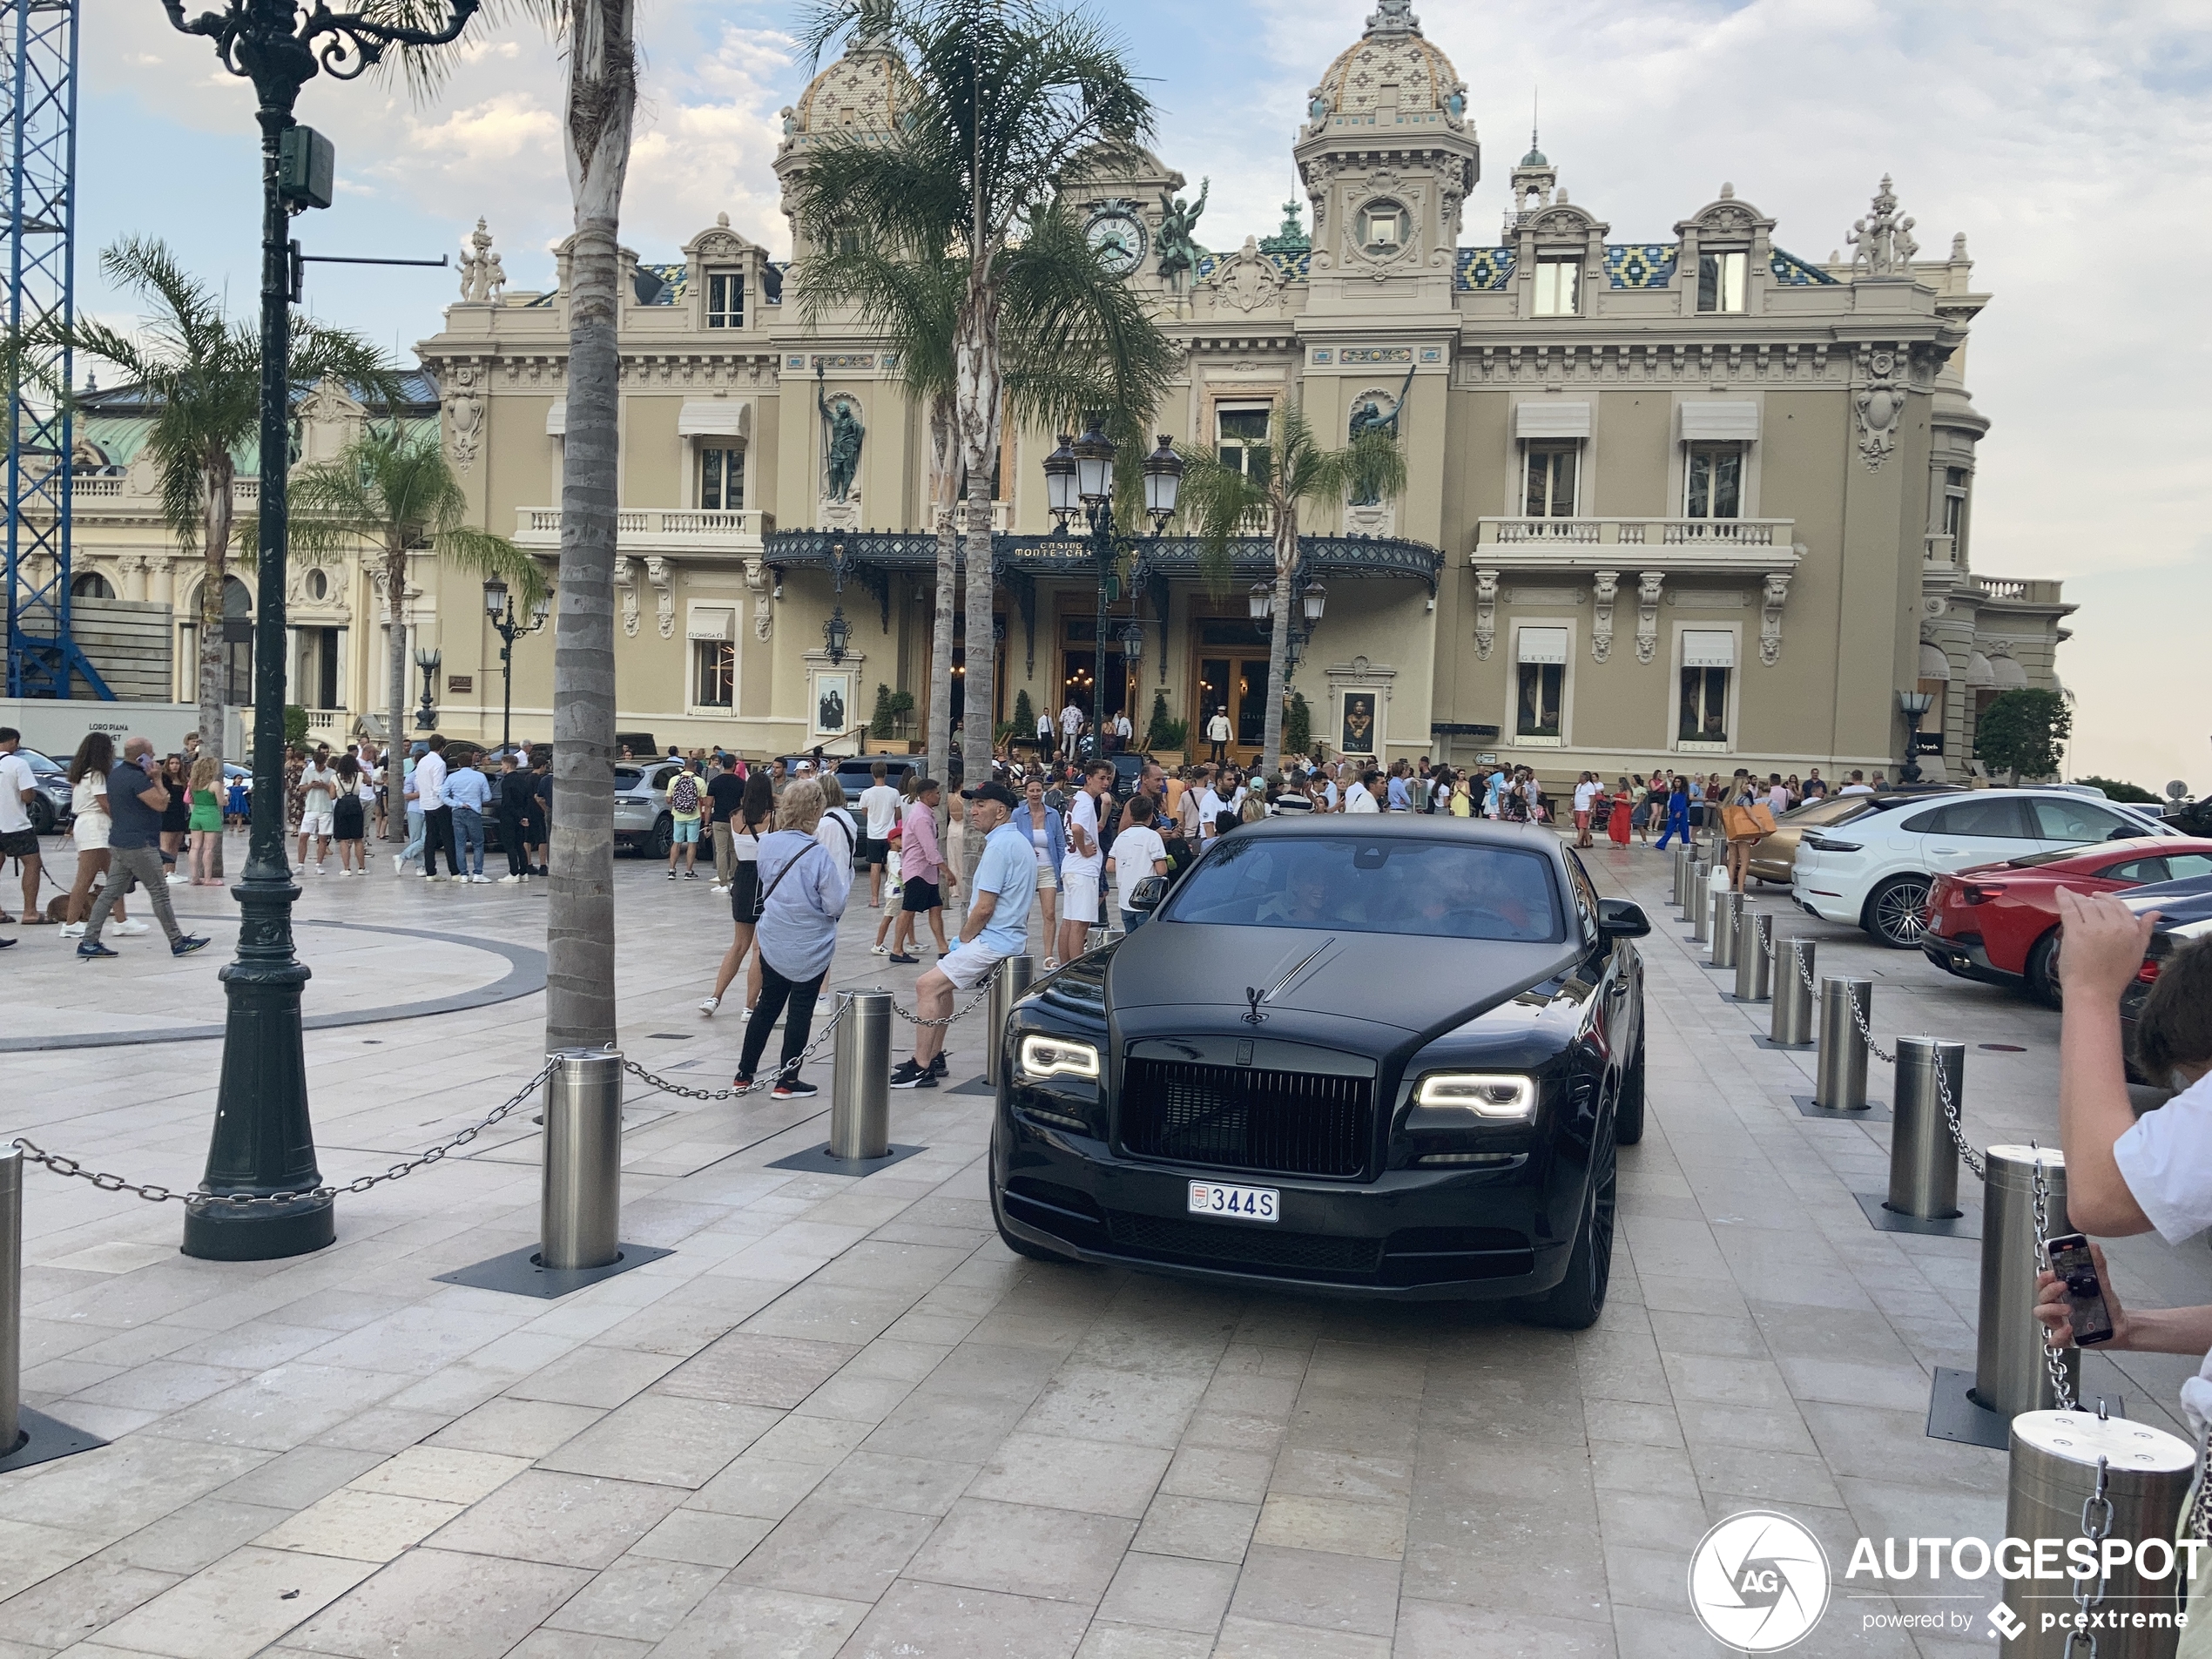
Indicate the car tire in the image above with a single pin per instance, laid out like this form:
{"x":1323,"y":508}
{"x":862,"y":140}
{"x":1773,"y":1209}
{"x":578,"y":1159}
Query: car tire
{"x":2043,"y":969}
{"x":1895,"y":912}
{"x":42,"y":815}
{"x":1575,"y":1302}
{"x":1628,"y":1115}
{"x":663,"y":838}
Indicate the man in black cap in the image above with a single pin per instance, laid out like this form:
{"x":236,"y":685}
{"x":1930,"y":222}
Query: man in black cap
{"x":1001,"y":890}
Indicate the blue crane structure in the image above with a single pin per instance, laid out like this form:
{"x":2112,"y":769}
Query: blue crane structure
{"x":39,"y":119}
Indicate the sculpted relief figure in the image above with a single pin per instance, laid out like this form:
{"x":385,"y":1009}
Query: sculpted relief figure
{"x":482,"y":277}
{"x":1179,"y":218}
{"x":842,"y":435}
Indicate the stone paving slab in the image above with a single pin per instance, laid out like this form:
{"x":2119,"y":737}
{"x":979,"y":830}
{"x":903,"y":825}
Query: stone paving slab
{"x":841,"y":1418}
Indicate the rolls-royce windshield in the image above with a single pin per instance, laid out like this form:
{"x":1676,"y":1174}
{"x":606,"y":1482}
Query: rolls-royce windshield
{"x":1362,"y":884}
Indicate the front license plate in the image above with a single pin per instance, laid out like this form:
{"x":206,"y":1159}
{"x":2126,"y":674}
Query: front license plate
{"x":1245,"y":1203}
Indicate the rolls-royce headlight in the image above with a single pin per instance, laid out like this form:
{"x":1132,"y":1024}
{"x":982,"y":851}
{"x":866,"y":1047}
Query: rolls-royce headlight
{"x":1484,"y":1094}
{"x":1040,"y":1057}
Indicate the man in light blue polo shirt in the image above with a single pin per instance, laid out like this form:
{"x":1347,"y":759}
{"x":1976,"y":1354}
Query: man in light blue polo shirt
{"x":1002,"y":888}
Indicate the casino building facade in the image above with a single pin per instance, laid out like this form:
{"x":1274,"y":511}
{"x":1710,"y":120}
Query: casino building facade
{"x":1677,"y":497}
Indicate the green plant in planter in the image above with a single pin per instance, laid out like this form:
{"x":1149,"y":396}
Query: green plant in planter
{"x":1298,"y":725}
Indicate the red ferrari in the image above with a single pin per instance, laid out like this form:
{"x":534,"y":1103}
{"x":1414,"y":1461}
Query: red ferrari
{"x":1999,"y":922}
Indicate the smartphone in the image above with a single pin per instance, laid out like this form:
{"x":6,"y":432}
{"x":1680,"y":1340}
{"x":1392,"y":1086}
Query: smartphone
{"x":2070,"y":1260}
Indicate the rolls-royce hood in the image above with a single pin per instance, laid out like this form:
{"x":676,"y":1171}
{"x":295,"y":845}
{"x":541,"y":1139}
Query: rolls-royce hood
{"x":1414,"y":983}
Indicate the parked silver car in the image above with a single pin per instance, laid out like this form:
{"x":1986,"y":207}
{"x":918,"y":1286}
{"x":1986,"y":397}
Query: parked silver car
{"x":643,"y":820}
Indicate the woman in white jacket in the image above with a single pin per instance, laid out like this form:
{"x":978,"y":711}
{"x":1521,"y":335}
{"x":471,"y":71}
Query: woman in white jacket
{"x":804,"y":889}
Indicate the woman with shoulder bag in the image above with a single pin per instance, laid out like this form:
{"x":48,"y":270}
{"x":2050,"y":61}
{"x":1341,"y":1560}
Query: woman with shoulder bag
{"x":803,"y":888}
{"x":88,"y":770}
{"x":756,"y":816}
{"x":1049,"y":841}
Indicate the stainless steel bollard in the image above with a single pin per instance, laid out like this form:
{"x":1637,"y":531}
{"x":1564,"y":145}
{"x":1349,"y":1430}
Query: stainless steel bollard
{"x":10,"y":1297}
{"x":1839,"y":1082}
{"x":2053,"y":1476}
{"x":1924,"y":1165}
{"x":580,"y":1215}
{"x":1728,"y":916}
{"x":2010,"y":1376}
{"x":860,"y":1082}
{"x":1701,"y":901}
{"x":1682,"y":861}
{"x":1792,"y":1018}
{"x":1009,"y":986}
{"x":1754,"y":957}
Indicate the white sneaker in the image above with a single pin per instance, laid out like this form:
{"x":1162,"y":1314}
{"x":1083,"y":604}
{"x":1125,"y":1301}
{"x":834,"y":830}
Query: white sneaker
{"x":878,"y":950}
{"x":175,"y":880}
{"x":123,"y":927}
{"x":72,"y":930}
{"x":399,"y":865}
{"x":718,"y":887}
{"x":707,"y":1005}
{"x":509,"y":880}
{"x":432,"y":875}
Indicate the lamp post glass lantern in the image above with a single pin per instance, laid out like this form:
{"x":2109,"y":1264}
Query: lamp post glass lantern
{"x":499,"y":606}
{"x":263,"y":1143}
{"x":1079,"y":477}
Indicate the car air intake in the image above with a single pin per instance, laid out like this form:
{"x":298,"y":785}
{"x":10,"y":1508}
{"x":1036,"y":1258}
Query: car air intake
{"x":1239,"y":1117}
{"x":1233,"y":1245}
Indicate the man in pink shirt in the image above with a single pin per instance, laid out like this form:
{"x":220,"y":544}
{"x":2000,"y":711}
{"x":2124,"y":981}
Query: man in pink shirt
{"x":922,"y":868}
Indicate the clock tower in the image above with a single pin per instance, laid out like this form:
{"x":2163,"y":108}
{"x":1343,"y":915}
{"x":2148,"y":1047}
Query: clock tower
{"x":1388,"y":155}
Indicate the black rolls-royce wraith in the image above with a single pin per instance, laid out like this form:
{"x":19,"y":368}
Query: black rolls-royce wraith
{"x":1385,"y":1056}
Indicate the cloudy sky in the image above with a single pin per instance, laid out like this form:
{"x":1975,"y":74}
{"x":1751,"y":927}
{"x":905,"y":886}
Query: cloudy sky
{"x":2072,"y":144}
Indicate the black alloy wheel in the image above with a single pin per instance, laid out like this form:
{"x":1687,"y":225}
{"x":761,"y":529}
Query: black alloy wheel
{"x":1628,"y":1116}
{"x":1896,"y":914}
{"x":42,"y":815}
{"x":2043,"y":970}
{"x":663,"y":838}
{"x":1575,"y":1302}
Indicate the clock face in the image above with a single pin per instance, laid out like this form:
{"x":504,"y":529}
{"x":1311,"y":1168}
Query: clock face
{"x":1118,"y":240}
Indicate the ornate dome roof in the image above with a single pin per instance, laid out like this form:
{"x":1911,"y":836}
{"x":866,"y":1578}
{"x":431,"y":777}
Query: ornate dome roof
{"x":1393,"y":52}
{"x":863,"y":89}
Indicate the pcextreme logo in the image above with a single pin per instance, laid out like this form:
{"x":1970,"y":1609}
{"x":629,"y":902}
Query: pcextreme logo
{"x":1758,"y":1582}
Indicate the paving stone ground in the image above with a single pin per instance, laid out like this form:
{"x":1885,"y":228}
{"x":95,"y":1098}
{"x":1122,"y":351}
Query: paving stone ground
{"x":841,"y":1418}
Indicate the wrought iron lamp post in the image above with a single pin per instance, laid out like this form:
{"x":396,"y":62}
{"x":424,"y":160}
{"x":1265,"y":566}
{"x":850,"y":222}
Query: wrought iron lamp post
{"x":1312,"y":597}
{"x":263,"y":1149}
{"x":499,"y":606}
{"x":1079,"y":475}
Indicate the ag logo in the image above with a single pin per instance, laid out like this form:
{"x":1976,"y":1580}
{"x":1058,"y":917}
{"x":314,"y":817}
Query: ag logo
{"x":1758,"y":1582}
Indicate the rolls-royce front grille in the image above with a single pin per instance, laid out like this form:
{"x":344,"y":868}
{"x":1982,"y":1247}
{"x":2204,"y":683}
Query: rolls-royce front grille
{"x":1228,"y":1243}
{"x":1239,"y":1117}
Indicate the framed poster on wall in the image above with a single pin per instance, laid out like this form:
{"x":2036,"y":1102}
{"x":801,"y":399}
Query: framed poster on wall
{"x":833,"y":703}
{"x":1358,"y":722}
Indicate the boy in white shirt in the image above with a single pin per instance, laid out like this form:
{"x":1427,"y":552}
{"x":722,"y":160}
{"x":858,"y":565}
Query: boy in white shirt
{"x":1138,"y":852}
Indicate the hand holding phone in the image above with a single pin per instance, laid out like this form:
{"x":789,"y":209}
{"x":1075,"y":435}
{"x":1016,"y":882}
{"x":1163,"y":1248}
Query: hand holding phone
{"x":2076,"y":1270}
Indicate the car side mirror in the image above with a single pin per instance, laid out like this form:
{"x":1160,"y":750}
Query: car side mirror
{"x":1147,"y":893}
{"x":1621,"y":918}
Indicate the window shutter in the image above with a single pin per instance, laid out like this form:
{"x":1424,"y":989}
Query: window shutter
{"x":1709,"y":420}
{"x":712,"y":417}
{"x":717,"y":623}
{"x":1550,"y":418}
{"x":1544,"y":644}
{"x":1701,"y":650}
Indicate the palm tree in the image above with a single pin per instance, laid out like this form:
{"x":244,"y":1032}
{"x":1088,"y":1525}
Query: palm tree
{"x":1281,"y":478}
{"x":1008,"y":99}
{"x":200,"y":371}
{"x":397,"y":494}
{"x":910,"y":302}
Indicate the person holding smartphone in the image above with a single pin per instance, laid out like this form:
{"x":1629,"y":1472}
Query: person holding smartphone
{"x":2126,"y":1174}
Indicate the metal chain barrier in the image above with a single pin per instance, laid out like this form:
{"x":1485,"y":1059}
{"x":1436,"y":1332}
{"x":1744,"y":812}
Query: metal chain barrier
{"x":2060,"y":1386}
{"x":768,"y":1081}
{"x":1973,"y":1160}
{"x":156,"y":1194}
{"x":975,"y":1002}
{"x":2096,"y":1531}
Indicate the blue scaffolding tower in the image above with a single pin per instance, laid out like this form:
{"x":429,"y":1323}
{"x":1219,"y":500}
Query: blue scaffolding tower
{"x":40,"y":128}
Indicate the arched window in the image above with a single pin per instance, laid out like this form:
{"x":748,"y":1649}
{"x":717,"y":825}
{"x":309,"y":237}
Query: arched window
{"x":91,"y":585}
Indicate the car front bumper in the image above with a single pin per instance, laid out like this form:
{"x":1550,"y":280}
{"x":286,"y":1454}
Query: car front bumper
{"x":1448,"y":1233}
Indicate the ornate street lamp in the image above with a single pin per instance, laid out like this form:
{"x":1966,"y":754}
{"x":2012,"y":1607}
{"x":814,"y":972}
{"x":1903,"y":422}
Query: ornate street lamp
{"x":1261,"y":600}
{"x":837,"y":633}
{"x":1079,"y":477}
{"x":426,"y":717}
{"x":499,"y":606}
{"x":261,"y":1167}
{"x":1059,"y":481}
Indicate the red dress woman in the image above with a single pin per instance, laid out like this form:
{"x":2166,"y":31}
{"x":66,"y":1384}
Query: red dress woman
{"x":1616,"y":824}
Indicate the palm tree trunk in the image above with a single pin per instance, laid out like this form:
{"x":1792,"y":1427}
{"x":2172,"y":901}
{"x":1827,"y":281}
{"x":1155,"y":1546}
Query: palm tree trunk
{"x":938,"y":744}
{"x":1279,"y":636}
{"x":601,"y":98}
{"x":395,"y":690}
{"x":977,"y":387}
{"x":215,"y":544}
